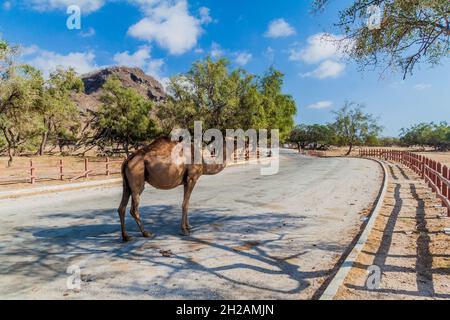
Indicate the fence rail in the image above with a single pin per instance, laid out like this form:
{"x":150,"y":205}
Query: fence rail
{"x":85,"y":168}
{"x":435,"y":174}
{"x":35,"y":172}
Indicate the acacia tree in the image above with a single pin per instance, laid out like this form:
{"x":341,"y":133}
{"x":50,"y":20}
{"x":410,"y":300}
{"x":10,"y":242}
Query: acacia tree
{"x":411,"y":31}
{"x":315,"y":134}
{"x":427,"y":134}
{"x":279,"y":108}
{"x":124,"y":117}
{"x":59,"y":113}
{"x":227,"y":99}
{"x":20,"y":124}
{"x":352,"y":125}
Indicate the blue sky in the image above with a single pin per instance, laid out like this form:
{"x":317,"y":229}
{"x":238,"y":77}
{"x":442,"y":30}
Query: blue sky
{"x":164,"y":37}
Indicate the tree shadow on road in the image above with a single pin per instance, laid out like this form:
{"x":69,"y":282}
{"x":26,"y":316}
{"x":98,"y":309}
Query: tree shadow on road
{"x":260,"y":243}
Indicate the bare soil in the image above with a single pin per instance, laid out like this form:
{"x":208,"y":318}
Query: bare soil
{"x":408,"y":245}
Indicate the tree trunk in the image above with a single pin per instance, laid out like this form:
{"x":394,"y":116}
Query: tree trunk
{"x":10,"y":157}
{"x":350,"y":149}
{"x":10,"y":147}
{"x":125,"y":146}
{"x":43,"y":143}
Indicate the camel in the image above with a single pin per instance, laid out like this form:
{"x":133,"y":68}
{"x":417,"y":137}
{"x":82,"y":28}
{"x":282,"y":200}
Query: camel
{"x":155,"y":164}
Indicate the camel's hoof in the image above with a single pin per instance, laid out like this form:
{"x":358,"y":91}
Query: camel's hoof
{"x":126,"y":238}
{"x":147,"y":234}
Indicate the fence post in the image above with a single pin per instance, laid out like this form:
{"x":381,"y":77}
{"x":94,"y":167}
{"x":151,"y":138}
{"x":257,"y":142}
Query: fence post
{"x":86,"y":168}
{"x":32,"y":172}
{"x":448,"y":189}
{"x":61,"y":169}
{"x":444,"y":186}
{"x":108,"y":173}
{"x":423,"y":167}
{"x":439,"y":182}
{"x":433,"y":176}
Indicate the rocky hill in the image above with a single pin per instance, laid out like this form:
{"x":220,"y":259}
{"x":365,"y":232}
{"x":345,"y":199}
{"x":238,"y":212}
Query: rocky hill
{"x":130,"y":78}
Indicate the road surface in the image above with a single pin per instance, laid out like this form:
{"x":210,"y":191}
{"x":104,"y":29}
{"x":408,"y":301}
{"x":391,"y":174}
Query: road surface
{"x":255,"y":237}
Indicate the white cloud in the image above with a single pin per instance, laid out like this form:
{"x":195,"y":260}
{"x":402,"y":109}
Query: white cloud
{"x":48,"y":61}
{"x":168,"y":24}
{"x":279,"y":28}
{"x":327,"y":69}
{"x":142,"y":59}
{"x":321,"y":46}
{"x":6,"y":5}
{"x":397,"y":84}
{"x":216,"y":50}
{"x":422,"y":86}
{"x":90,"y":32}
{"x":320,"y":105}
{"x":205,"y":17}
{"x":137,"y":59}
{"x":242,"y":58}
{"x":269,"y":53}
{"x":86,"y":6}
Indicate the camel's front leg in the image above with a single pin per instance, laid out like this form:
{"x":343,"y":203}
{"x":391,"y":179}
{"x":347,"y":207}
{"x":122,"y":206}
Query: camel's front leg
{"x":188,"y":187}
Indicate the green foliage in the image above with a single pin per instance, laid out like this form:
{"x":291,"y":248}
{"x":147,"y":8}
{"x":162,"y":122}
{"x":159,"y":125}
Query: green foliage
{"x":60,"y":115}
{"x":225,"y":99}
{"x":312,"y":135}
{"x":20,"y":90}
{"x":412,"y":31}
{"x":353,"y":126}
{"x":279,"y":108}
{"x":388,"y":142}
{"x":427,"y":134}
{"x":124,"y":117}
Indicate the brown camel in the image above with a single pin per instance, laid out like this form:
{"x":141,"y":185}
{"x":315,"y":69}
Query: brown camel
{"x":157,"y":165}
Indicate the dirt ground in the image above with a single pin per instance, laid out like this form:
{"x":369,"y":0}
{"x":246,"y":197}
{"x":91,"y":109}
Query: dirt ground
{"x":407,"y":244}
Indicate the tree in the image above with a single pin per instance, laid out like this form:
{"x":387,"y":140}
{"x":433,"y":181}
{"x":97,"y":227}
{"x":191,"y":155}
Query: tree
{"x":227,"y":99}
{"x":353,"y":126}
{"x":124,"y":117}
{"x":20,"y":125}
{"x":411,"y":31}
{"x":280,"y":108}
{"x":427,"y":134}
{"x":316,"y":134}
{"x":11,"y":92}
{"x":59,"y":113}
{"x":299,"y":135}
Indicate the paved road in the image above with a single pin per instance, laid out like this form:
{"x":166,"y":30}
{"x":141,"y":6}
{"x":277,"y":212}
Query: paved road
{"x":255,"y":237}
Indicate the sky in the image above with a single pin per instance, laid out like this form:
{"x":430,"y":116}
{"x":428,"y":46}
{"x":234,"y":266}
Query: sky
{"x":164,"y":37}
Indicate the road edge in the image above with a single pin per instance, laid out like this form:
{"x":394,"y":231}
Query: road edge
{"x":338,"y":280}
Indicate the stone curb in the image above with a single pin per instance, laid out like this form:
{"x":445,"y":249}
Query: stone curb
{"x":338,"y":280}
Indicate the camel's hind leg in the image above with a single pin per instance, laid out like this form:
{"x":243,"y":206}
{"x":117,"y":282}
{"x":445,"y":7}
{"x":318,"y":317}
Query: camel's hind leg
{"x":135,"y":199}
{"x":122,"y":208}
{"x":188,"y":187}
